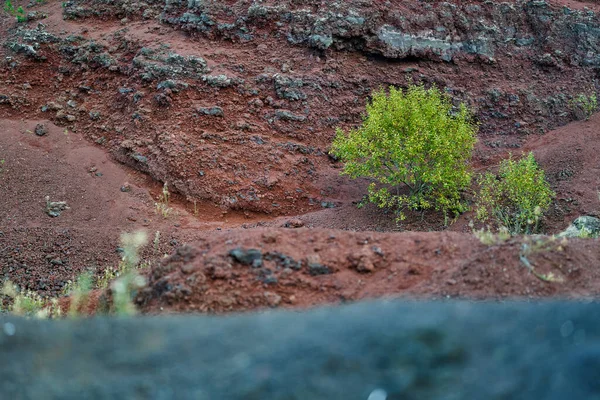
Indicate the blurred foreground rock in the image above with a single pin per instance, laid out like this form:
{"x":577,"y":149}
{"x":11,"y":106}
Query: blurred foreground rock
{"x":394,"y":350}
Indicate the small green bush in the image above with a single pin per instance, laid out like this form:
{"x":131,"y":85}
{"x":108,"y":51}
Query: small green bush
{"x":516,"y":198}
{"x":415,"y":147}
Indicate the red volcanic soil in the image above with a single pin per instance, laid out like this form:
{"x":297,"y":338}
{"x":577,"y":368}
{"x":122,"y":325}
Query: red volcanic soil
{"x":247,"y":176}
{"x":307,"y":267}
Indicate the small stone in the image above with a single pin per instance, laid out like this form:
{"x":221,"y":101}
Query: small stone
{"x":41,"y":130}
{"x":256,"y":103}
{"x":140,"y":158}
{"x":270,"y":280}
{"x":361,"y":261}
{"x":294,"y":223}
{"x":61,"y":114}
{"x":246,"y":256}
{"x":286,"y":115}
{"x":55,"y":208}
{"x":273,"y":299}
{"x":377,"y":250}
{"x":52,"y":106}
{"x":315,"y":269}
{"x":213,"y":111}
{"x":187,"y":268}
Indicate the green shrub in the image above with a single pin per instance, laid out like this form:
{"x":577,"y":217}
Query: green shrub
{"x":414,"y":147}
{"x":583,"y":106}
{"x":8,"y":7}
{"x":516,"y":198}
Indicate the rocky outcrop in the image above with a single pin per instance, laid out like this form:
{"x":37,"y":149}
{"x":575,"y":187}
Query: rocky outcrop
{"x":379,"y":350}
{"x":439,"y":31}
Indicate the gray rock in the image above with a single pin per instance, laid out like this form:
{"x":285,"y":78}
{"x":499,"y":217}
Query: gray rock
{"x":315,"y":269}
{"x":286,"y":115}
{"x":582,"y":227}
{"x":214,"y":111}
{"x":273,"y":299}
{"x":220,"y":81}
{"x":289,"y":88}
{"x":376,"y":350}
{"x":401,"y":45}
{"x":139,"y":158}
{"x":246,"y":256}
{"x":41,"y":130}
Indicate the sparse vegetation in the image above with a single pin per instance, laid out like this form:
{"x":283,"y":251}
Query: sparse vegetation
{"x":123,"y":290}
{"x":18,"y":12}
{"x":80,"y":294}
{"x":541,"y":245}
{"x":162,"y":205}
{"x":128,"y":281}
{"x":489,"y":238}
{"x":415,"y":147}
{"x":516,"y":198}
{"x":123,"y":283}
{"x":22,"y":302}
{"x":108,"y":275}
{"x":584,"y":105}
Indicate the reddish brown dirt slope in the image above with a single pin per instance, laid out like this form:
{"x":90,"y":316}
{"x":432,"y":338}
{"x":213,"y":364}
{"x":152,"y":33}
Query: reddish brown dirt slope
{"x":246,"y":155}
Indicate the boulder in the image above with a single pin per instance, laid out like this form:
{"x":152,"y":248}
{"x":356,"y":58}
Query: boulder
{"x":582,"y":227}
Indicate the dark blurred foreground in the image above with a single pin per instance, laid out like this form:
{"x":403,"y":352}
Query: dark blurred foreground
{"x":378,"y":350}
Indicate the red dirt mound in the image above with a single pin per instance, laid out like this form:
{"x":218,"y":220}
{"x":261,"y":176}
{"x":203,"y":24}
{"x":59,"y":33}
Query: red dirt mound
{"x":242,"y":270}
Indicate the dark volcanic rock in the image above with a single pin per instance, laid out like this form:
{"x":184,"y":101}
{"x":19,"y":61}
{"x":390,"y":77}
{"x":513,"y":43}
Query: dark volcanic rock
{"x":41,"y":130}
{"x":247,"y":256}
